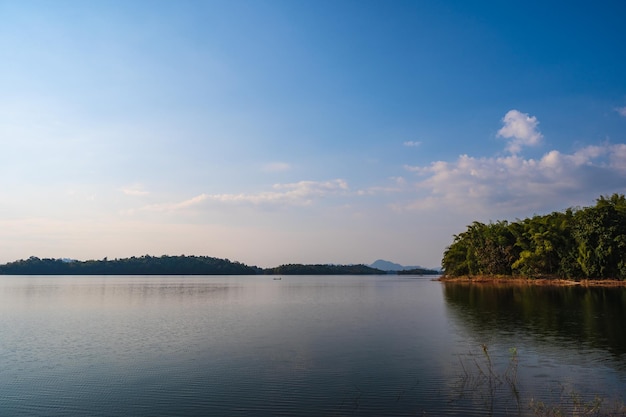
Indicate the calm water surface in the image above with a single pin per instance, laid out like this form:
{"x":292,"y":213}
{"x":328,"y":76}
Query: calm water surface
{"x":305,"y":346}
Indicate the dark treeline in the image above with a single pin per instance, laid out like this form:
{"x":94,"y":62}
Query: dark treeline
{"x":578,"y":243}
{"x":418,"y":271}
{"x":170,"y":265}
{"x":143,"y":265}
{"x":299,"y":269}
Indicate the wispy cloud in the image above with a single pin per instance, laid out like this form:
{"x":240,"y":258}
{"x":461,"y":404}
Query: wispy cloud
{"x":397,"y":185}
{"x":173,"y":207}
{"x":298,"y":193}
{"x":276,"y":167}
{"x":621,"y":111}
{"x":412,"y":143}
{"x":520,"y":129}
{"x":134,"y":190}
{"x":293,"y":194}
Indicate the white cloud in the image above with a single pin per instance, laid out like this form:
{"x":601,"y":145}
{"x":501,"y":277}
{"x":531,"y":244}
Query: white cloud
{"x":515,"y":184}
{"x":299,"y":193}
{"x":617,"y":158}
{"x":276,"y":167}
{"x":520,"y":129}
{"x":293,"y":194}
{"x":397,"y":185}
{"x":412,"y":143}
{"x":134,"y":190}
{"x":621,"y":111}
{"x":171,"y":207}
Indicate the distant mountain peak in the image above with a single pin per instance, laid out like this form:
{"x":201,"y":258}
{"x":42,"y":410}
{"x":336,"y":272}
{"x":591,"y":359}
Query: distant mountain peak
{"x":391,"y":266}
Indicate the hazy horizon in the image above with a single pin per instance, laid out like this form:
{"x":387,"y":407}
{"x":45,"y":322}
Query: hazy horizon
{"x":272,"y":132}
{"x":371,"y":264}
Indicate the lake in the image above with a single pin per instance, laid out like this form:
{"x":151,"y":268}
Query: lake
{"x":305,"y":346}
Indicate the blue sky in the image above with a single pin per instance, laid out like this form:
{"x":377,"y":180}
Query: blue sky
{"x":274,"y":132}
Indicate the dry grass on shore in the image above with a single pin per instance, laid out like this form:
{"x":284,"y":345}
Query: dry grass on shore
{"x":521,"y":280}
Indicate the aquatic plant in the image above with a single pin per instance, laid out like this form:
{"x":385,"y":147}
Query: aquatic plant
{"x":500,"y":393}
{"x":482,"y":380}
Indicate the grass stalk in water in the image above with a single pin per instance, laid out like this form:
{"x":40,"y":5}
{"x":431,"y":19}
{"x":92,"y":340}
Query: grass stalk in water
{"x":482,"y":380}
{"x":500,"y":393}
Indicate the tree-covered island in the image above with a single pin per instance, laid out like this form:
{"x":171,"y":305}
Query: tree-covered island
{"x":419,"y":271}
{"x":142,"y":265}
{"x":586,"y":243}
{"x":171,"y":265}
{"x":321,"y":269}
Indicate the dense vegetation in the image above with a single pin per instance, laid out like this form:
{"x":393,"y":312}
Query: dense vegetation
{"x":579,"y":243}
{"x":418,"y":271}
{"x":143,"y":265}
{"x":299,"y":269}
{"x":170,"y":265}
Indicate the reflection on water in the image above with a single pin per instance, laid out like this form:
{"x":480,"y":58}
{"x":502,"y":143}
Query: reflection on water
{"x":226,"y":346}
{"x":568,"y":342}
{"x":570,"y":315}
{"x":307,"y":346}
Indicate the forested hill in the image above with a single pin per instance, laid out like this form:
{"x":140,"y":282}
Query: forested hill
{"x":170,"y":265}
{"x":299,"y":269}
{"x":579,"y":243}
{"x":419,"y":271}
{"x":143,"y":265}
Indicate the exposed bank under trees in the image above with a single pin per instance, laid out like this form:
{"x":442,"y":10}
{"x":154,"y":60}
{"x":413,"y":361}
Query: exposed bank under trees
{"x":579,"y":243}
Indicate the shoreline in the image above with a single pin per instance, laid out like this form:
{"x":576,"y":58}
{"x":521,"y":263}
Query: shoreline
{"x":521,"y":280}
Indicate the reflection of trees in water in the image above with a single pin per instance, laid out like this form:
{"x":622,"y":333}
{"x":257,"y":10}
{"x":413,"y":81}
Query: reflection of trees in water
{"x":593,"y":316}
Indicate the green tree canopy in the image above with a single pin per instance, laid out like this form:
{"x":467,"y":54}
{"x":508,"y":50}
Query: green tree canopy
{"x":587,"y":242}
